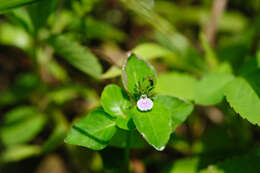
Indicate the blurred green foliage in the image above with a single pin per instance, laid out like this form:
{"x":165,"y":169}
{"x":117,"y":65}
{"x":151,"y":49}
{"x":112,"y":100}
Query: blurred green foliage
{"x":56,"y":56}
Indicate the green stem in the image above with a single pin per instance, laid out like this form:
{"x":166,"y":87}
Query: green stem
{"x":127,"y":151}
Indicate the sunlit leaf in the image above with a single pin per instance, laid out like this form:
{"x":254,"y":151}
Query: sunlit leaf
{"x":179,"y":109}
{"x":154,"y":125}
{"x":151,"y":51}
{"x":210,"y":90}
{"x":14,"y":36}
{"x":177,"y":84}
{"x":243,"y":99}
{"x":115,"y":102}
{"x":137,"y":74}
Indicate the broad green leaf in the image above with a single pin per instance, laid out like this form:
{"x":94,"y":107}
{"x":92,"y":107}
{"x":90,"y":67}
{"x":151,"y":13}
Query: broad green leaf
{"x":40,"y":11}
{"x":179,"y":109}
{"x":151,"y":51}
{"x":137,"y":74}
{"x":120,"y":139}
{"x":93,"y":131}
{"x":177,"y":84}
{"x":9,"y":4}
{"x":116,"y":103}
{"x":20,"y":152}
{"x":243,"y":99}
{"x":186,"y":165}
{"x":154,"y":125}
{"x":210,"y":90}
{"x":21,"y":125}
{"x":77,"y":55}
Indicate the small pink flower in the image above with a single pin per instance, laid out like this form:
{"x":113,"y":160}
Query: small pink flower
{"x":144,"y":103}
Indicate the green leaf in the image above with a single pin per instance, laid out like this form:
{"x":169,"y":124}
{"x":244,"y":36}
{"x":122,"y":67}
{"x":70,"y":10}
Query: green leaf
{"x":151,"y":51}
{"x":186,"y":165}
{"x":21,"y":125}
{"x":9,"y":4}
{"x":93,"y":131}
{"x":179,"y":109}
{"x":20,"y":152}
{"x":136,"y":74}
{"x":244,"y":99}
{"x":210,"y":90}
{"x":76,"y":55}
{"x":155,"y":125}
{"x":177,"y":84}
{"x":40,"y":11}
{"x":115,"y":102}
{"x":14,"y":36}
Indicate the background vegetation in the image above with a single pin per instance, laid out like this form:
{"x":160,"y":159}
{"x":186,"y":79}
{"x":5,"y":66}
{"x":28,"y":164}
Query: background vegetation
{"x":56,"y":56}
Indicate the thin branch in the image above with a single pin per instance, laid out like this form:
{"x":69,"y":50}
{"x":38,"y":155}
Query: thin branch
{"x":210,"y":29}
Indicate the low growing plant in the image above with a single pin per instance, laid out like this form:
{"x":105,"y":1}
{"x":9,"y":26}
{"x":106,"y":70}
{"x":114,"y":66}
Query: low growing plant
{"x":126,"y":112}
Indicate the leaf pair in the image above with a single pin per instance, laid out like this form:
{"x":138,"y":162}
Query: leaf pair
{"x":120,"y":111}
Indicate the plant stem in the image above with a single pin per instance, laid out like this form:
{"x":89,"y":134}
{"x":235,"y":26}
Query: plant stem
{"x":127,"y":151}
